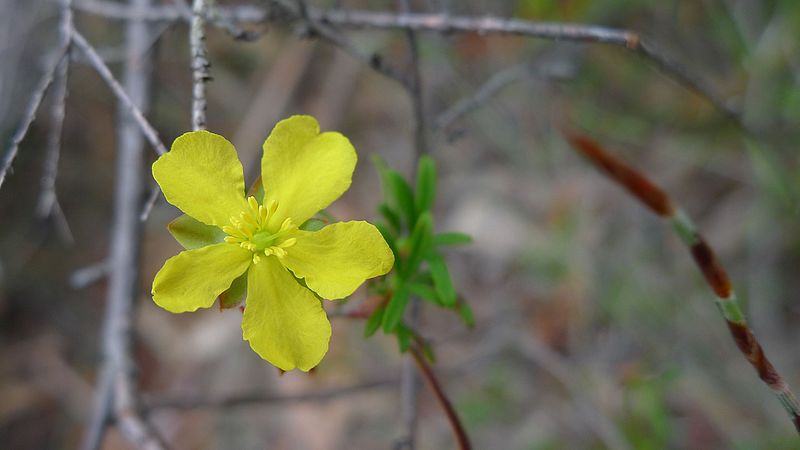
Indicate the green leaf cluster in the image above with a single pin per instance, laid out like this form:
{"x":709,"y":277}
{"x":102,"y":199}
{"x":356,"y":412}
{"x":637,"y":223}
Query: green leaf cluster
{"x":420,"y":268}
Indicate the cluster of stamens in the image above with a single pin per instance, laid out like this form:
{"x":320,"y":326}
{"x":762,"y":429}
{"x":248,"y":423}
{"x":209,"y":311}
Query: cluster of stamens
{"x":250,"y":231}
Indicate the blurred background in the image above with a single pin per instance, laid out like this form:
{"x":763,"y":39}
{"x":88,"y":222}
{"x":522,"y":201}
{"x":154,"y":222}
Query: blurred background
{"x":593,"y":328}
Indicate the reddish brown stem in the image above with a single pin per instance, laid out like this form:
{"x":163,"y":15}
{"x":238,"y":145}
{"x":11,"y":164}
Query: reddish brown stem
{"x":629,"y":178}
{"x":433,"y":383}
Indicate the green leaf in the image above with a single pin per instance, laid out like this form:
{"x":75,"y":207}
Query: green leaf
{"x":235,"y":294}
{"x":391,"y":216}
{"x":374,"y":321}
{"x":313,"y":225}
{"x":424,"y":291}
{"x":453,"y":238}
{"x":420,"y":242}
{"x":466,"y":314}
{"x":396,"y":191}
{"x":426,"y":184}
{"x":404,"y":337}
{"x":395,"y":309}
{"x":402,"y":196}
{"x":192,"y":234}
{"x":441,"y":279}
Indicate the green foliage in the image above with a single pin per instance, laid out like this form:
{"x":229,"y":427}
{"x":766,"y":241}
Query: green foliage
{"x":420,"y":268}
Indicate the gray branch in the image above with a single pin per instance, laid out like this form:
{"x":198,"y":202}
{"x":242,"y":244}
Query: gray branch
{"x":444,"y":24}
{"x":119,"y":390}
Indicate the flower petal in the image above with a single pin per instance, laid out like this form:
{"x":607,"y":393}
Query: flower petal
{"x":202,"y":176}
{"x":283,"y":321}
{"x":194,"y":278}
{"x":303,"y":170}
{"x":335,"y":260}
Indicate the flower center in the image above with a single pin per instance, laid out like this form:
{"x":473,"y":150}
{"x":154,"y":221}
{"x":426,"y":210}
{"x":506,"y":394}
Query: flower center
{"x":250,"y":231}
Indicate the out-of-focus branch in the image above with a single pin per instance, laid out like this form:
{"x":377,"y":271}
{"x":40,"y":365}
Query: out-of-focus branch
{"x":259,"y":398}
{"x":33,"y":106}
{"x":409,"y":383}
{"x":118,"y":364}
{"x":324,"y":31}
{"x":105,"y":73}
{"x":446,"y":24}
{"x":48,"y":200}
{"x":147,"y":129}
{"x":494,"y":85}
{"x":200,"y":64}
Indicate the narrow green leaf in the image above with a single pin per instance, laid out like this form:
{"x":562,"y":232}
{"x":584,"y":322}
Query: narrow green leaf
{"x":442,"y":281}
{"x":452,"y":238}
{"x":235,"y":294}
{"x":424,"y":291}
{"x":426,"y":184}
{"x":395,"y":309}
{"x":391,"y":216}
{"x":466,"y":314}
{"x":420,"y":242}
{"x":374,"y":321}
{"x":404,"y":337}
{"x":191,"y":233}
{"x":403,"y":197}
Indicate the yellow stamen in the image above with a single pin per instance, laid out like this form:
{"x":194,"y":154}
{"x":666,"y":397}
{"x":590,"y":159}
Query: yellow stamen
{"x":288,"y":243}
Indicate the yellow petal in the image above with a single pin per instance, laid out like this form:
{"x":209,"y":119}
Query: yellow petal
{"x":194,"y":278}
{"x":283,"y":321}
{"x":202,"y":176}
{"x":303,"y":170}
{"x":335,"y":260}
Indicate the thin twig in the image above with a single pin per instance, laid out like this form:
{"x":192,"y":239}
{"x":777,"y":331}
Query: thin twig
{"x":433,"y":383}
{"x":85,"y":276}
{"x":494,"y":85}
{"x":147,"y":129}
{"x":446,"y":24}
{"x":658,"y":202}
{"x":373,"y":60}
{"x":200,"y":64}
{"x":258,"y":398}
{"x":47,"y":196}
{"x":105,"y":73}
{"x":152,"y":198}
{"x":31,"y":109}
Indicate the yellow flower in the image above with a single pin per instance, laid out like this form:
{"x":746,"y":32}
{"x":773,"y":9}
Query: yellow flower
{"x":303,"y":171}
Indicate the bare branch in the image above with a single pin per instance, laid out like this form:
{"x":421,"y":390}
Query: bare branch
{"x":116,"y":338}
{"x":47,"y":197}
{"x":87,"y":275}
{"x":494,"y":85}
{"x":105,"y":73}
{"x":445,"y":24}
{"x":259,"y":398}
{"x":409,"y":383}
{"x":31,"y":109}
